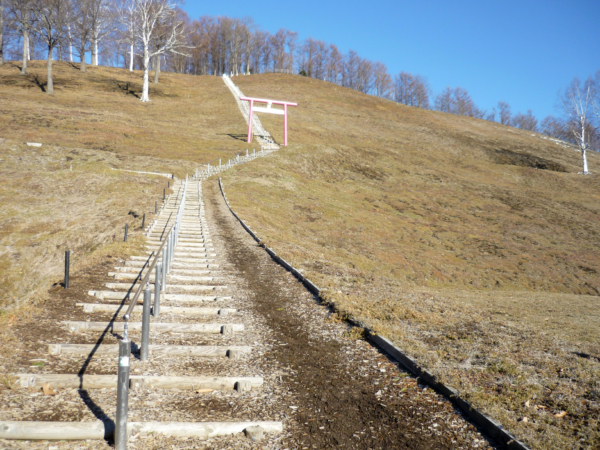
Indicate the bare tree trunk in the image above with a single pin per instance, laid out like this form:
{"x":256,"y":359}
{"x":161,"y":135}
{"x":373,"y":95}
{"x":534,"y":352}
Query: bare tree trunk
{"x":94,"y":51}
{"x":583,"y":148}
{"x":25,"y":52}
{"x":131,"y":57}
{"x":70,"y":43}
{"x":585,"y":165}
{"x":82,"y":53}
{"x":50,"y":85}
{"x":1,"y":32}
{"x":145,"y":96}
{"x":156,"y":68}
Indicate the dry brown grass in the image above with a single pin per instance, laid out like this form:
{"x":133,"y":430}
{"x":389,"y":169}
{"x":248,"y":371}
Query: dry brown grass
{"x":437,"y":231}
{"x":445,"y":234}
{"x":54,"y":199}
{"x":94,"y":122}
{"x":189,"y":118}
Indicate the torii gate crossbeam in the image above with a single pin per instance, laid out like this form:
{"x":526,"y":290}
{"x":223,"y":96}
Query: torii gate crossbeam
{"x":269,"y":110}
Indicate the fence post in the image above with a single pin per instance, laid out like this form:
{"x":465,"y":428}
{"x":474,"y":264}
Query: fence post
{"x":155,"y":207}
{"x":166,"y":251}
{"x":145,"y":324}
{"x":157,"y":277}
{"x":164,"y":194}
{"x":122,"y":392}
{"x":126,"y":228}
{"x":171,"y":250}
{"x":144,"y":221}
{"x":164,"y":271}
{"x":219,"y":163}
{"x":67,"y":267}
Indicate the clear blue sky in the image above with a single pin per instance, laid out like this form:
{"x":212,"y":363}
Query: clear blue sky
{"x":522,"y":52}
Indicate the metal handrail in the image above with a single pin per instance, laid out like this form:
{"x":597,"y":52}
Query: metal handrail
{"x":174,"y":229}
{"x":146,"y":277}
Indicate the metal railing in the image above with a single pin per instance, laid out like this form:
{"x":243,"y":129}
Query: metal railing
{"x":165,"y":253}
{"x":216,"y":165}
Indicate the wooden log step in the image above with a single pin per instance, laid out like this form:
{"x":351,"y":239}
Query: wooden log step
{"x":170,"y":278}
{"x":112,"y":295}
{"x":174,"y":270}
{"x":70,"y":381}
{"x":195,"y":256}
{"x":184,"y":287}
{"x":208,"y":351}
{"x":69,"y":431}
{"x":76,"y":326}
{"x":175,"y":265}
{"x":98,"y":307}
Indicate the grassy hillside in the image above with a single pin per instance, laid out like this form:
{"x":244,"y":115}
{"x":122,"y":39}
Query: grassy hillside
{"x":189,"y":118}
{"x":474,"y":246}
{"x":64,"y":195}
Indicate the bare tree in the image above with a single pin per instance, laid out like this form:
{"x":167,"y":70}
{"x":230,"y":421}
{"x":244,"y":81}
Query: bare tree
{"x":525,"y":121}
{"x":149,"y":14}
{"x":445,"y":101}
{"x":411,"y":90}
{"x":554,"y":127}
{"x":50,"y":26}
{"x":382,"y":85}
{"x":576,"y":101}
{"x":103,"y":19}
{"x":22,"y":16}
{"x":82,"y":28}
{"x":1,"y":32}
{"x":504,"y":112}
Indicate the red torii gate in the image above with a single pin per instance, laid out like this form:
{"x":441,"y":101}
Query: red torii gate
{"x":269,"y":110}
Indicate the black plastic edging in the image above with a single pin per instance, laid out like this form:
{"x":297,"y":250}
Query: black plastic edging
{"x":490,"y":426}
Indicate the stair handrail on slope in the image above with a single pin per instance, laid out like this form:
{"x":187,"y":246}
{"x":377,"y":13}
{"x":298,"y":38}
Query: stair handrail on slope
{"x":171,"y":244}
{"x":125,"y":344}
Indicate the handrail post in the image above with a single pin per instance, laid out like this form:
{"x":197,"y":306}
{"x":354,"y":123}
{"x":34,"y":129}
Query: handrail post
{"x":145,"y":325}
{"x":157,"y":277}
{"x":164,"y":270}
{"x":122,"y":392}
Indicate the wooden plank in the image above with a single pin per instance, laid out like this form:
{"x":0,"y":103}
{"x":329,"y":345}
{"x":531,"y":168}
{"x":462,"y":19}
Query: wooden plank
{"x":68,"y":431}
{"x":156,"y":327}
{"x":183,"y":287}
{"x":98,"y":307}
{"x":167,"y":350}
{"x":70,"y":381}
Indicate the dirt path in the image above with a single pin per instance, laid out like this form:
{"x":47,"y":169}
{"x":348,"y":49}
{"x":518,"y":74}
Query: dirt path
{"x":342,"y":393}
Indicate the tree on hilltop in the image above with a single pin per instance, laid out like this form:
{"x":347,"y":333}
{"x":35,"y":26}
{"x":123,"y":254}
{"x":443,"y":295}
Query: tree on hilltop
{"x":50,"y":26}
{"x":150,"y":14}
{"x":577,"y":102}
{"x":82,"y":28}
{"x":411,"y":90}
{"x":525,"y":121}
{"x":21,"y":14}
{"x":504,"y":113}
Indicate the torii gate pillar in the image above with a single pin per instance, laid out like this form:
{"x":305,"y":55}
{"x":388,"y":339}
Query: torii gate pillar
{"x":268,"y":110}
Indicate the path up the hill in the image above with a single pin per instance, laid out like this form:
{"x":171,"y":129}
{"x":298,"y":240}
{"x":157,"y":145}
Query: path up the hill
{"x":238,"y":342}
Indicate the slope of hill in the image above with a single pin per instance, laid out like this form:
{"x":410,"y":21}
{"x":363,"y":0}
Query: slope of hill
{"x":474,"y":246}
{"x":189,"y":118}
